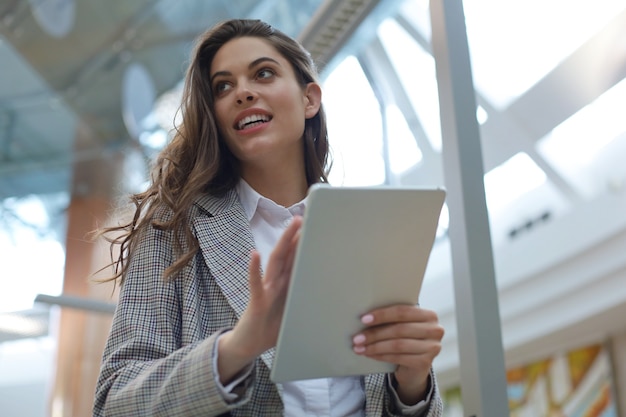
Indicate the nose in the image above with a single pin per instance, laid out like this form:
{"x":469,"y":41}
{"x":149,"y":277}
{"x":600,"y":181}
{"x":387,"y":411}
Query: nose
{"x":245,"y":94}
{"x":247,"y":98}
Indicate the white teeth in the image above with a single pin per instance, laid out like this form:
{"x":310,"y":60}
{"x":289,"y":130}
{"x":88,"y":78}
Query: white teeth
{"x":252,"y":119}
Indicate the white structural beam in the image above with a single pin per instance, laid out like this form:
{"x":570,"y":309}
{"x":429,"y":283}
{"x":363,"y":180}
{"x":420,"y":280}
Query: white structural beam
{"x":78,"y":303}
{"x":483,"y":377}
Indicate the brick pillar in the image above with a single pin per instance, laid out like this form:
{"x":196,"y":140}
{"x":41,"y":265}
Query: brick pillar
{"x":81,"y":333}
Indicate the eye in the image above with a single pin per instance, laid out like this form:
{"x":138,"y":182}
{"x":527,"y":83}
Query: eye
{"x":221,"y":87}
{"x":265,"y":73}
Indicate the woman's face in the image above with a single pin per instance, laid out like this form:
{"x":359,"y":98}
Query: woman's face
{"x":259,"y":105}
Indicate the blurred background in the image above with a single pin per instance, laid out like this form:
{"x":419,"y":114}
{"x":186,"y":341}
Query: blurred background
{"x":89,"y":91}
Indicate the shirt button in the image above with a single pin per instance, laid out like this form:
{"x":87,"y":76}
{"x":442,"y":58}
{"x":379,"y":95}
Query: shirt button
{"x":286,"y":223}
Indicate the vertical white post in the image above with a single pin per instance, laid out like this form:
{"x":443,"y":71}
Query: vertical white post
{"x":483,"y":377}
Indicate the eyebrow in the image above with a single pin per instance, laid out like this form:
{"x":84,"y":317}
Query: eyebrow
{"x":250,"y":66}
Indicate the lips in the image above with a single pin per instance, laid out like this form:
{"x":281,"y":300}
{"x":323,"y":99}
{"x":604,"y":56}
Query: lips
{"x":252,"y":120}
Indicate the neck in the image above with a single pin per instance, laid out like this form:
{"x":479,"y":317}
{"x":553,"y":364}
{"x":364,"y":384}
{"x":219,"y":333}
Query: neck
{"x":283,"y":187}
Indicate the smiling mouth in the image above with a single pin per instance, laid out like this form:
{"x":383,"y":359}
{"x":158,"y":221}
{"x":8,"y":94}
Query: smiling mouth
{"x":252,"y":121}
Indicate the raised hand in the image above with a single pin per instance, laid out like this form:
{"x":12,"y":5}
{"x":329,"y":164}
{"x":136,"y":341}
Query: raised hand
{"x":257,"y":329}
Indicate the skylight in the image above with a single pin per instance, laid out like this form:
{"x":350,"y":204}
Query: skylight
{"x":585,"y":135}
{"x":416,"y":69}
{"x":515,"y":43}
{"x":354,"y":126}
{"x":510,"y":180}
{"x":403,"y":150}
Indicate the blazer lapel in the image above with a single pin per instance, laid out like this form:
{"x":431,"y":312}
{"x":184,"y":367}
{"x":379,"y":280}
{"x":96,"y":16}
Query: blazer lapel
{"x":225,"y":241}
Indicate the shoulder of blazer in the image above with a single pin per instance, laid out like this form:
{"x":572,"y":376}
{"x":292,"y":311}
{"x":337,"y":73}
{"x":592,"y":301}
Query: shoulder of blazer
{"x":213,"y":205}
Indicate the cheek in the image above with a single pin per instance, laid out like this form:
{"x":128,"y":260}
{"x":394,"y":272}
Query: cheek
{"x":222,"y":126}
{"x":232,"y":146}
{"x":221,"y":114}
{"x":291,"y":96}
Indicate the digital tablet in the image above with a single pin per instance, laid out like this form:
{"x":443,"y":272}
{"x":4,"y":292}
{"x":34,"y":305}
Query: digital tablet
{"x":360,"y":248}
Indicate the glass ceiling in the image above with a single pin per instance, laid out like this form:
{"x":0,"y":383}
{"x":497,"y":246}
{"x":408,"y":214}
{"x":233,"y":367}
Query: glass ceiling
{"x":584,"y":147}
{"x":513,"y":45}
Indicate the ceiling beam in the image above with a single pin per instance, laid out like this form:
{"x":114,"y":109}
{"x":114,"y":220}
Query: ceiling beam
{"x":339,"y":24}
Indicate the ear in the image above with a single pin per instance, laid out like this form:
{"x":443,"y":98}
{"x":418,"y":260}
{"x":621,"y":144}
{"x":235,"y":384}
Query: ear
{"x":312,"y":100}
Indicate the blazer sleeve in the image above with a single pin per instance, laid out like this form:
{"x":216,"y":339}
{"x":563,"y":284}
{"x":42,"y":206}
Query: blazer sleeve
{"x":380,"y":401}
{"x":145,"y":371}
{"x":434,"y":408}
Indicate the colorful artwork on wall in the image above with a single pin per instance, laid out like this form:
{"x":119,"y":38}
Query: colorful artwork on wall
{"x":578,"y":383}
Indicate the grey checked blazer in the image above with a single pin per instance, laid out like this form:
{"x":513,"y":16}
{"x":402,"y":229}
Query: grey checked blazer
{"x":158,"y":358}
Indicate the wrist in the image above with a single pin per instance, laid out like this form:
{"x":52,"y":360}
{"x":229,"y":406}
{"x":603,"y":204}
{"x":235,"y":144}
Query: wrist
{"x":231,"y":358}
{"x":413,"y":391}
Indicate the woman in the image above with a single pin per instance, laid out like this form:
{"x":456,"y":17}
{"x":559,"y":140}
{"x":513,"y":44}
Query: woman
{"x":205,"y":262}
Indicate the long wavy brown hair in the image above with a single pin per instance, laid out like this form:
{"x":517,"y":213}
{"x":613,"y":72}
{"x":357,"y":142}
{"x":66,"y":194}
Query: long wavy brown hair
{"x":197,"y":160}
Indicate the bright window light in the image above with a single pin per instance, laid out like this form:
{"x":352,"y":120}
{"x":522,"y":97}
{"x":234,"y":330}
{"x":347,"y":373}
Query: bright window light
{"x":444,"y":221}
{"x":576,"y":142}
{"x":354,"y":126}
{"x":33,"y":262}
{"x":417,"y":12}
{"x":481,"y":115}
{"x":416,"y":69}
{"x":20,"y":325}
{"x":403,"y":150}
{"x":166,"y":109}
{"x":509,"y":55}
{"x":155,"y":139}
{"x":510,"y":180}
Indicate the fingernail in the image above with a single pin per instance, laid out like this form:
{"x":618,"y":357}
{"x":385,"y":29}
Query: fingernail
{"x":358,"y":339}
{"x":368,"y":318}
{"x":359,"y":349}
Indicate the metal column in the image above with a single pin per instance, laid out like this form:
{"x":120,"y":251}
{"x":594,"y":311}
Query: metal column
{"x":483,"y":377}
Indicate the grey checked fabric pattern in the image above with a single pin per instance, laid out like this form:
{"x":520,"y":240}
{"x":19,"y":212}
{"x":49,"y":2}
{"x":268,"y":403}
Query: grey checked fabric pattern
{"x":157,"y":360}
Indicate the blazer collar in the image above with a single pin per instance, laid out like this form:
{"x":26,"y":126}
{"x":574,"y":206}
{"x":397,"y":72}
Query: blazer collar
{"x":225,"y":241}
{"x":216,"y":205}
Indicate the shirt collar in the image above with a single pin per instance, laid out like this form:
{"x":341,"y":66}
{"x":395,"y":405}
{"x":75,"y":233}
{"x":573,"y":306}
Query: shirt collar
{"x":248,"y":197}
{"x":250,"y":200}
